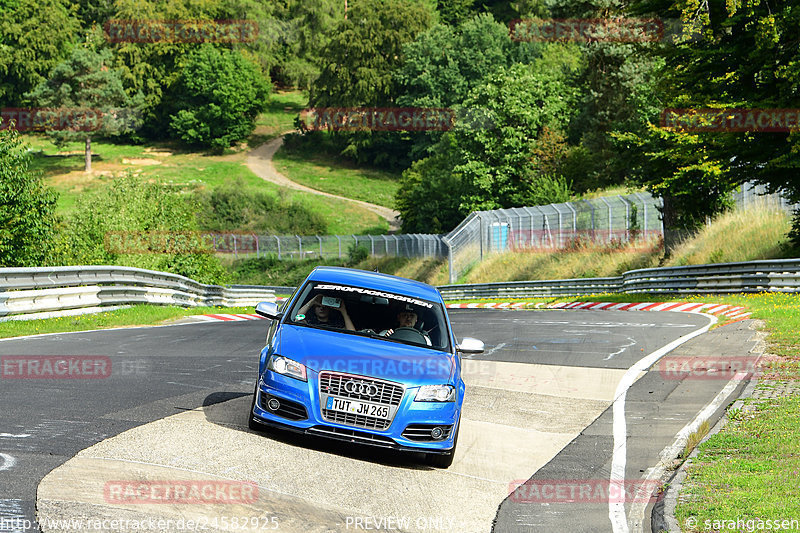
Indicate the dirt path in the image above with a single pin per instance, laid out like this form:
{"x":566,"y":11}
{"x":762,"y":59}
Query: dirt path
{"x":260,"y":162}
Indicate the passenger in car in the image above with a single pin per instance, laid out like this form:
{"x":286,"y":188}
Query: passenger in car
{"x":324,"y":315}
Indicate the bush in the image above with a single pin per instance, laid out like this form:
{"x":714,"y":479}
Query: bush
{"x":235,"y":208}
{"x":218,"y":97}
{"x":27,"y":207}
{"x":128,"y":212}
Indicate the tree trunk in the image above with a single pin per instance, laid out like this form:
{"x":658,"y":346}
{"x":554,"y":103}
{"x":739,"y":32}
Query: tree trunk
{"x":88,"y":156}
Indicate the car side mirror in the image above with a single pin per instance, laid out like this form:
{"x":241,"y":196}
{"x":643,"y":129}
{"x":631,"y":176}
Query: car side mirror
{"x":269,"y":310}
{"x":470,"y":345}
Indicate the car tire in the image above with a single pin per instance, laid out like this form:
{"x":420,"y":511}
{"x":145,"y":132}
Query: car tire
{"x":444,"y":460}
{"x":251,"y":421}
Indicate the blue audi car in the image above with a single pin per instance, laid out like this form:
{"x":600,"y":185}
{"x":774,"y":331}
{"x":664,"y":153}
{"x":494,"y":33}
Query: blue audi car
{"x":366,"y":358}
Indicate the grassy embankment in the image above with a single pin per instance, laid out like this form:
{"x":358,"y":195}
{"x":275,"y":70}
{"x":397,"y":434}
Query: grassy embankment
{"x":190,"y":170}
{"x":324,"y":172}
{"x":734,"y":236}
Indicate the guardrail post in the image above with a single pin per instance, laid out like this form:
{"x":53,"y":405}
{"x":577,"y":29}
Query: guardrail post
{"x":320,"y":246}
{"x":278,"y":239}
{"x":371,"y":245}
{"x":340,"y":245}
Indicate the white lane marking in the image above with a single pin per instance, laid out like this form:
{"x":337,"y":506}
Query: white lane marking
{"x":631,"y":343}
{"x":8,"y":461}
{"x":616,"y":509}
{"x":639,"y":505}
{"x":12,"y":436}
{"x":490,"y":352}
{"x":185,"y":385}
{"x":498,"y":347}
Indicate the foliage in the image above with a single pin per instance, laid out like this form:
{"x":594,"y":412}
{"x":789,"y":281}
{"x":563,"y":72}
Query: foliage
{"x":108,"y":226}
{"x":35,"y":35}
{"x":217,"y":98}
{"x":733,"y":56}
{"x":356,"y":253}
{"x":443,"y":64}
{"x":27,"y":207}
{"x":235,"y":208}
{"x":496,"y":162}
{"x":84,"y":81}
{"x":364,"y":51}
{"x":429,"y":198}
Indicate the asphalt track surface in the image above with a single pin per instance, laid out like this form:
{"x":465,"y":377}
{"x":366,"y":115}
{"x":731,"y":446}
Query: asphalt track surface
{"x":538,"y":409}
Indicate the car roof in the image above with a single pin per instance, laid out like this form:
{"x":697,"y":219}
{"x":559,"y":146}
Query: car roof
{"x":375,"y":280}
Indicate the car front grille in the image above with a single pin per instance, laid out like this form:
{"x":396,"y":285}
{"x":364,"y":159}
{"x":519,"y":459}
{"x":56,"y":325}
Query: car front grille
{"x":387,"y":393}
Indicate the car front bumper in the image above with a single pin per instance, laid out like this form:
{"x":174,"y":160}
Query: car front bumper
{"x":300,"y":411}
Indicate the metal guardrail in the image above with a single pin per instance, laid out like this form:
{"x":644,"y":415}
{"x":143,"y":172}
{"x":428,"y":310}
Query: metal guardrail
{"x":751,"y":276}
{"x":34,"y":290}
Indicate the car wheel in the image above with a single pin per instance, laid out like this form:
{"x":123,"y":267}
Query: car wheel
{"x":251,"y":422}
{"x":444,"y":460}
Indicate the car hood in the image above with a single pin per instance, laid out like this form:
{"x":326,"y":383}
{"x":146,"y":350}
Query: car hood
{"x":320,"y":350}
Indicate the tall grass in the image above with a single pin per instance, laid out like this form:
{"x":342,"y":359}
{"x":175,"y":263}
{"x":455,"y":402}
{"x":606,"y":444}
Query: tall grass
{"x":758,"y":233}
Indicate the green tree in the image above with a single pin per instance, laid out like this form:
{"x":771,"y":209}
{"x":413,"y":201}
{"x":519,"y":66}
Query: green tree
{"x":84,"y":83}
{"x":217,"y":98}
{"x":35,"y":35}
{"x":27,"y":207}
{"x":734,"y":55}
{"x":443,"y":64}
{"x":152,"y":68}
{"x":510,"y":161}
{"x":429,"y":197}
{"x":365,"y":50}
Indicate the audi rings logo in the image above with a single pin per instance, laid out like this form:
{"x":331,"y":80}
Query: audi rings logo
{"x":361,"y":388}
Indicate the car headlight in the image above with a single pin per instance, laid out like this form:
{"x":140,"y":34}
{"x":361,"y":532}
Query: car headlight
{"x":287,"y":367}
{"x":436,"y":393}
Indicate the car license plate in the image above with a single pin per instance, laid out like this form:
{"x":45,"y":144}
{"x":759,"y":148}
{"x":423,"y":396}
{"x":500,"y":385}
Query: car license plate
{"x":357,"y":408}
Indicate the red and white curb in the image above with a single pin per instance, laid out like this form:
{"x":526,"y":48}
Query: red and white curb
{"x":729,"y":311}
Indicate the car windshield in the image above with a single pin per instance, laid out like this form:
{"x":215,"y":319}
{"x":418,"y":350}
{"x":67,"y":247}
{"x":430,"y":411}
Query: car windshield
{"x":374,"y":313}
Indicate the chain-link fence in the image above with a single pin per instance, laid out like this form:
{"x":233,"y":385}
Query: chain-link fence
{"x":606,"y":221}
{"x":751,"y":195}
{"x":243,"y":245}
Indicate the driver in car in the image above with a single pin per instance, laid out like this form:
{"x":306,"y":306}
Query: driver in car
{"x":406,"y":318}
